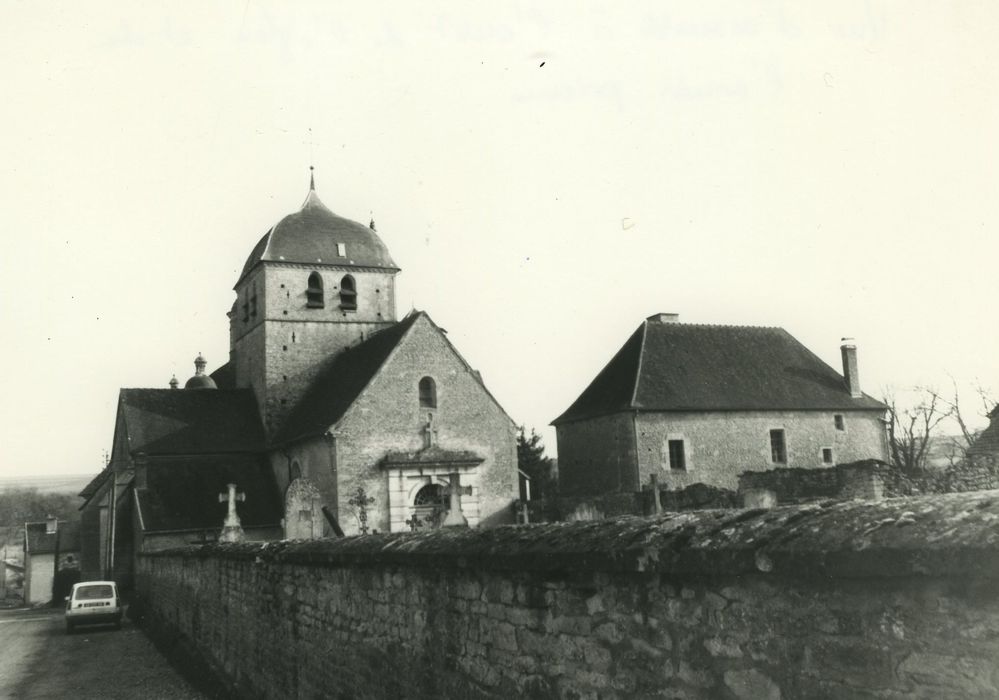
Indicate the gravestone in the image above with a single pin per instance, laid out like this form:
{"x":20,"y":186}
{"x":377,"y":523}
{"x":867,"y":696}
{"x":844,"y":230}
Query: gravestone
{"x":232,"y":530}
{"x":303,"y":514}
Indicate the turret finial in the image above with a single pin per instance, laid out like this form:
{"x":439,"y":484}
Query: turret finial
{"x":199,"y":365}
{"x":312,"y":179}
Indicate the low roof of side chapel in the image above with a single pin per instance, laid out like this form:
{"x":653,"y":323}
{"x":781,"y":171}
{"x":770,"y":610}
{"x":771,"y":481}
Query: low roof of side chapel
{"x":186,"y":421}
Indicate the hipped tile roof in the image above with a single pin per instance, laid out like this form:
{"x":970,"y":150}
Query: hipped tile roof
{"x":688,"y":367}
{"x":310,"y":236}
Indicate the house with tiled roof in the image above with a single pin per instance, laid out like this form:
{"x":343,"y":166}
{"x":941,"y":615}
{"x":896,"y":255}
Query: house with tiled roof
{"x":51,"y":559}
{"x":371,"y":418}
{"x":693,"y":403}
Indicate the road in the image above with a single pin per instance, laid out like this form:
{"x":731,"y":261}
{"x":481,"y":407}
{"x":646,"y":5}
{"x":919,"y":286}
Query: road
{"x":39,"y":660}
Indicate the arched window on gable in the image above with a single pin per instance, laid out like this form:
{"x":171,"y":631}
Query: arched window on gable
{"x":348,"y":293}
{"x":428,"y":393}
{"x":314,"y":293}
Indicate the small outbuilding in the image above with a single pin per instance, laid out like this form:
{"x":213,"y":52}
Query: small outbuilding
{"x":692,"y":403}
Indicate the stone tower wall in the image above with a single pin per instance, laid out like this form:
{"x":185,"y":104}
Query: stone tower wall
{"x":279,"y":343}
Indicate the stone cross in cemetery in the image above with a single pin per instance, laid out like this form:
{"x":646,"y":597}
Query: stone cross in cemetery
{"x":455,"y":518}
{"x":232,"y":531}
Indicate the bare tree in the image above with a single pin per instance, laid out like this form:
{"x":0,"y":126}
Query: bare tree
{"x":913,"y":432}
{"x":910,"y":430}
{"x":957,"y":448}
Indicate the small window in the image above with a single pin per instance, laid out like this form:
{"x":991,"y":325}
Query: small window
{"x":428,"y":393}
{"x":839,"y":422}
{"x":677,"y":457}
{"x":348,"y":294}
{"x":253,"y":303}
{"x":314,"y":293}
{"x":827,"y":455}
{"x":341,"y":249}
{"x":778,"y":449}
{"x":246,"y":311}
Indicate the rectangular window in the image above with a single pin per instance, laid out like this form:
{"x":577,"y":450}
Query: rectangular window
{"x":827,"y":455}
{"x":778,"y":449}
{"x":839,"y":422}
{"x":341,"y":249}
{"x":677,"y":457}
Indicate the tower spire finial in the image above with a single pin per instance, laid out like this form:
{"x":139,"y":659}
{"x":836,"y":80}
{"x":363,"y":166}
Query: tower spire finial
{"x":312,"y":179}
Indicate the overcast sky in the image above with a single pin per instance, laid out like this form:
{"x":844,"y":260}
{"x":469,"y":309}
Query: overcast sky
{"x":546,"y":174}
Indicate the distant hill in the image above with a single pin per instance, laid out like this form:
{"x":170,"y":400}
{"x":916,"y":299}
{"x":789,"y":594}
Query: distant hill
{"x":47,"y":484}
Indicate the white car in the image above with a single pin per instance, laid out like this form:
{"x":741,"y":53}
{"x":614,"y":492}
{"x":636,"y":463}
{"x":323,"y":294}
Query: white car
{"x":93,"y":602}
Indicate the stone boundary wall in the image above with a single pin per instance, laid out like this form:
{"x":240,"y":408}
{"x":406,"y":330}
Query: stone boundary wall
{"x":892,"y":599}
{"x":572,"y":508}
{"x":797,"y":485}
{"x":870,"y":479}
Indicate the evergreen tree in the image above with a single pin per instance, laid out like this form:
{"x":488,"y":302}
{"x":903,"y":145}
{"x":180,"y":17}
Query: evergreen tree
{"x":532,"y":461}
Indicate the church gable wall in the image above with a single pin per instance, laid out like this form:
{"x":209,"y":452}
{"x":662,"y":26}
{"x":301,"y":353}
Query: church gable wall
{"x":121,"y":457}
{"x":388,"y":417}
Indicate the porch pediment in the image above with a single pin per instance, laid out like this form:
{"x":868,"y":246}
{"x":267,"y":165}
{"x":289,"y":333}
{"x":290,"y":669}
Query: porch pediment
{"x":432,"y":456}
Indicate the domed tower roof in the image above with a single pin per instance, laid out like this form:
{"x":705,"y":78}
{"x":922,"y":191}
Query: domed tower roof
{"x":315,"y":235}
{"x":200,"y":380}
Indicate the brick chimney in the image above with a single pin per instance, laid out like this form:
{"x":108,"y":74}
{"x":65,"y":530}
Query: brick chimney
{"x":51,"y":525}
{"x":663,"y":318}
{"x":850,"y":372}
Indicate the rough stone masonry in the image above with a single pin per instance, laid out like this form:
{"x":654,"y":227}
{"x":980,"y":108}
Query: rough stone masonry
{"x":831,"y":600}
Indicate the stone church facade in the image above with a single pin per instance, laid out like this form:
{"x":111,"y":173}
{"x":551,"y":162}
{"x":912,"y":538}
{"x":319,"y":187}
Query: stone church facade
{"x":331,"y":415}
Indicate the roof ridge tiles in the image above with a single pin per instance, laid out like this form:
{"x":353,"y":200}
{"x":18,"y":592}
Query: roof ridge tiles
{"x":715,"y":325}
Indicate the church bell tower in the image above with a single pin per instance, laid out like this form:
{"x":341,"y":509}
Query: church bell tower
{"x":315,"y":284}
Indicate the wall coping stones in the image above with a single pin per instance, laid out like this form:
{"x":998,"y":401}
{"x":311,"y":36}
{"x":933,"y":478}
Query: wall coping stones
{"x":949,"y":535}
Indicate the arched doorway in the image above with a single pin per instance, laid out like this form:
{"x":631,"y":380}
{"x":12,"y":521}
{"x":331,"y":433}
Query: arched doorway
{"x":429,"y":505}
